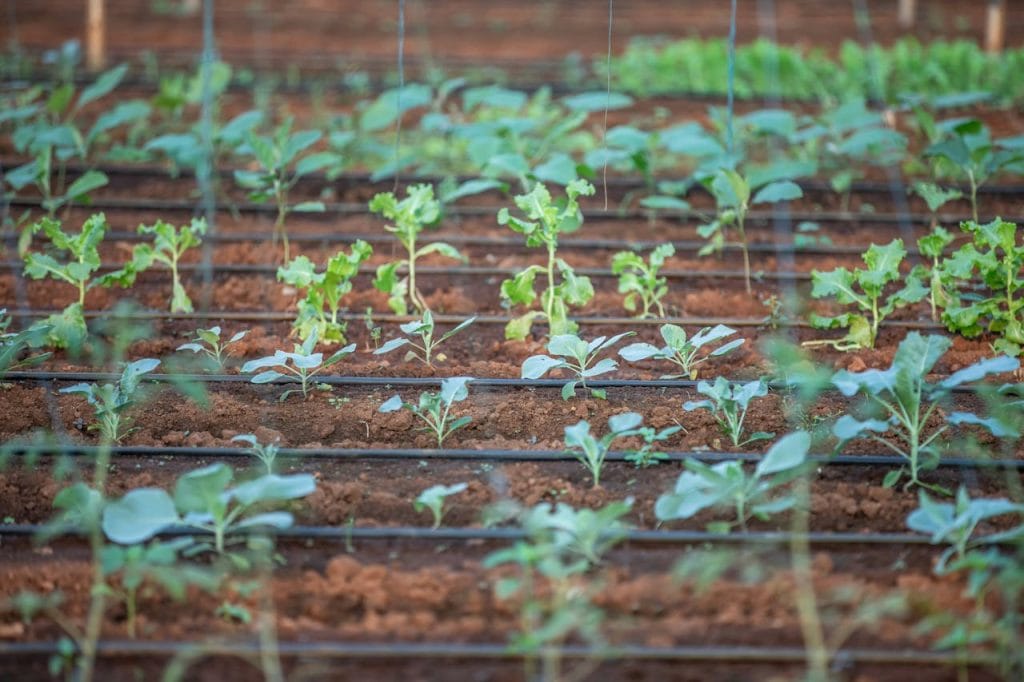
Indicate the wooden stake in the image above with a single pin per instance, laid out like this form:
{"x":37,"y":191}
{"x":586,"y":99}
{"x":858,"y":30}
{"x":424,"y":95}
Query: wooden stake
{"x":995,"y":26}
{"x":96,"y":35}
{"x":908,"y":12}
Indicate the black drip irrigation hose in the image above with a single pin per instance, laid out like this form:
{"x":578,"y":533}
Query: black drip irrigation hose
{"x":482,"y":455}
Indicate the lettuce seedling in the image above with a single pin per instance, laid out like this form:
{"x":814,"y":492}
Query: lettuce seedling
{"x":110,"y":401}
{"x":281,"y":163}
{"x":734,"y":195}
{"x":883,"y":268}
{"x":939,"y":284}
{"x":410,"y":215}
{"x":996,"y":257}
{"x":592,"y":451}
{"x":576,"y":357}
{"x":728,"y":403}
{"x":434,"y":409}
{"x":305,"y":364}
{"x":264,"y":452}
{"x":433,"y":499}
{"x":13,"y":345}
{"x":207,"y":342}
{"x":907,"y":402}
{"x":640,"y":281}
{"x":324,"y":291}
{"x":545,"y":220}
{"x":205,"y":500}
{"x":683,"y":351}
{"x":425,"y":349}
{"x":756,"y":494}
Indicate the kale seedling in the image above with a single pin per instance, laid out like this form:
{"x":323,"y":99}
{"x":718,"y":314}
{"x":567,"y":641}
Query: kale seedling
{"x":433,"y":499}
{"x":728,"y":404}
{"x":545,"y":220}
{"x":265,"y":453}
{"x":907,"y":402}
{"x":683,"y":351}
{"x":305,"y":364}
{"x":410,"y":215}
{"x":207,"y":341}
{"x":169,"y":245}
{"x":592,"y":451}
{"x":434,"y":409}
{"x":728,"y":484}
{"x":324,"y":291}
{"x":939,"y":285}
{"x":110,"y":401}
{"x":640,"y":281}
{"x":424,"y":349}
{"x":883,"y":268}
{"x":575,"y":356}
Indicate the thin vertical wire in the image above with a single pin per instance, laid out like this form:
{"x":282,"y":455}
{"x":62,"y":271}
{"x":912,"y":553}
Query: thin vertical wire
{"x":731,"y":77}
{"x":607,"y":104}
{"x":401,"y":86}
{"x":205,"y":170}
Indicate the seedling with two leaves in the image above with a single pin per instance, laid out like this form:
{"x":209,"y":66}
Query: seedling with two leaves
{"x":682,"y":351}
{"x":639,"y":280}
{"x":758,"y":494}
{"x":907,"y":403}
{"x":545,"y":220}
{"x":110,"y":401}
{"x":302,"y":364}
{"x":434,"y":409}
{"x":433,"y":498}
{"x":424,"y":350}
{"x":577,"y":357}
{"x":592,"y":451}
{"x":208,"y":342}
{"x":266,"y":453}
{"x":728,"y":402}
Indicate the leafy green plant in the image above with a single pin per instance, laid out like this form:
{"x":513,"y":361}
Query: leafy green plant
{"x":994,"y":255}
{"x":545,"y":220}
{"x":208,"y":342}
{"x":264,"y":452}
{"x":13,"y":345}
{"x":410,"y":215}
{"x":936,"y":197}
{"x":110,"y":401}
{"x":640,"y":281}
{"x":281,"y":162}
{"x":592,"y":451}
{"x":318,"y":311}
{"x":728,"y":402}
{"x":434,"y":409}
{"x":302,"y":364}
{"x":433,"y":499}
{"x":758,"y":494}
{"x":684,"y":352}
{"x":169,"y":245}
{"x":424,"y":350}
{"x":932,"y":246}
{"x":907,"y":403}
{"x":577,"y":357}
{"x":872,"y":305}
{"x":734,"y":195}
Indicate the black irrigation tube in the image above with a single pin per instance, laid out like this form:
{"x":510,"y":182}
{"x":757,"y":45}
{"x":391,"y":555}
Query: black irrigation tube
{"x":484,"y":455}
{"x":441,"y":651}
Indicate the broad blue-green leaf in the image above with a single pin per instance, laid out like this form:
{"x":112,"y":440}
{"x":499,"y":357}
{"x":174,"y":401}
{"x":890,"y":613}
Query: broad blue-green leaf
{"x":848,"y":427}
{"x":784,"y":190}
{"x":392,"y":404}
{"x":537,"y":366}
{"x":788,"y":452}
{"x":597,"y":101}
{"x":272,"y":487}
{"x":139,"y":515}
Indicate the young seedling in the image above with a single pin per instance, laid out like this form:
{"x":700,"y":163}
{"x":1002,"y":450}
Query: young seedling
{"x":939,"y":286}
{"x":883,"y":268}
{"x":545,"y":221}
{"x":908,"y":402}
{"x":207,"y":342}
{"x":318,"y":311}
{"x":646,"y":455}
{"x":410,"y":215}
{"x":434,"y":409}
{"x":577,"y":357}
{"x":110,"y":401}
{"x":424,"y":350}
{"x":728,"y":402}
{"x":592,"y":451}
{"x":727,"y":484}
{"x":936,"y":197}
{"x":639,"y":281}
{"x":304,"y":365}
{"x":734,"y":196}
{"x":264,"y":452}
{"x":433,"y":499}
{"x":684,"y":352}
{"x":281,"y":162}
{"x":169,"y":245}
{"x":14,"y":345}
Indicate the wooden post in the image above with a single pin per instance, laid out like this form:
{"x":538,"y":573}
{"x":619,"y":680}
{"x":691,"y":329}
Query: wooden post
{"x":908,"y":12}
{"x":995,"y":26}
{"x":96,"y":35}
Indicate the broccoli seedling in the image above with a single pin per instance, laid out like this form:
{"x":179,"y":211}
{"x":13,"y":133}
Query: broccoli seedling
{"x":302,"y":364}
{"x":434,"y":409}
{"x":433,"y":499}
{"x":639,"y":281}
{"x":207,"y":341}
{"x":110,"y":401}
{"x":425,"y":349}
{"x":728,"y":402}
{"x":577,"y":357}
{"x":683,"y":351}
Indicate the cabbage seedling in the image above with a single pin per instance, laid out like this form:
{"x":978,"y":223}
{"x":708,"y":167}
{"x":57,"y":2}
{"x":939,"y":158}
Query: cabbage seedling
{"x":728,"y":403}
{"x":639,"y":281}
{"x":424,"y":349}
{"x":169,"y":245}
{"x":265,"y":453}
{"x":304,"y":365}
{"x":575,"y":356}
{"x":592,"y":451}
{"x":109,"y":401}
{"x":434,"y":409}
{"x":433,"y":499}
{"x":684,"y":351}
{"x":207,"y":341}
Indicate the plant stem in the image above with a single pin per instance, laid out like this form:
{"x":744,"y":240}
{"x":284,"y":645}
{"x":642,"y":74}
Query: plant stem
{"x":97,"y":603}
{"x":549,"y":295}
{"x":806,"y":601}
{"x":746,"y":253}
{"x":974,"y":194}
